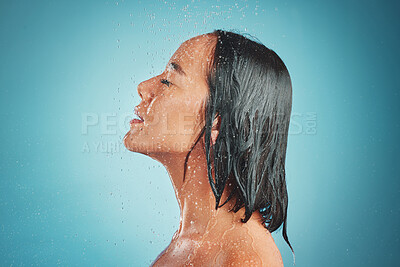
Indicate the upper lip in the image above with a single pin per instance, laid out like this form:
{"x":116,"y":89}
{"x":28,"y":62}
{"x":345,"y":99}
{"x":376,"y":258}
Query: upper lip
{"x":137,"y":113}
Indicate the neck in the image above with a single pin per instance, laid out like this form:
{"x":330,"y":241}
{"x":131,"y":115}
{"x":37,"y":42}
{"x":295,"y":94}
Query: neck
{"x":195,"y":197}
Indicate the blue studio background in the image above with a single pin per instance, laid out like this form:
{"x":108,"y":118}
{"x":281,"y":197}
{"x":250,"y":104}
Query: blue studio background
{"x":70,"y":194}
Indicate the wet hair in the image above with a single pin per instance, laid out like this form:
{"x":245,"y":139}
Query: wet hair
{"x":250,"y":90}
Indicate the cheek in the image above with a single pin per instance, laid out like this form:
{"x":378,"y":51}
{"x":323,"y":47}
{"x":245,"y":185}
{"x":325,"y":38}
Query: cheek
{"x":181,"y":121}
{"x":184,"y":116}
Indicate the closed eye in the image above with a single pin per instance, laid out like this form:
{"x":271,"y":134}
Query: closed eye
{"x":166,"y":82}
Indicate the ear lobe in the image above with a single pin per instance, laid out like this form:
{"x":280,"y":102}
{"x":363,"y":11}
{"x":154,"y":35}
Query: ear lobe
{"x":215,"y":129}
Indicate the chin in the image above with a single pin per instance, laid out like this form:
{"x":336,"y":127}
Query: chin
{"x":126,"y":141}
{"x":142,"y":147}
{"x":146,"y":144}
{"x":130,"y":144}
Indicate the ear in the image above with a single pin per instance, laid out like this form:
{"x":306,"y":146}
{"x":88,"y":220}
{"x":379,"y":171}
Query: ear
{"x":215,"y":129}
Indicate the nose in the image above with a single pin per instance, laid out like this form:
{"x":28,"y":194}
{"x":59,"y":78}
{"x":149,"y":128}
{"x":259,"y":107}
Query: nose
{"x":146,"y":90}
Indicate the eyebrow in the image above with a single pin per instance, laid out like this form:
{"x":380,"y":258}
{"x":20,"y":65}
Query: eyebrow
{"x":177,"y":67}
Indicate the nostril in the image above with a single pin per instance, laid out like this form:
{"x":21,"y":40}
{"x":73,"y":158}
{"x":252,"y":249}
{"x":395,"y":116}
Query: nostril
{"x":145,"y":90}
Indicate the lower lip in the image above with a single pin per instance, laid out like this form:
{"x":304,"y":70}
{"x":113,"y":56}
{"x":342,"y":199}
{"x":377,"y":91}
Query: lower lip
{"x":134,"y":121}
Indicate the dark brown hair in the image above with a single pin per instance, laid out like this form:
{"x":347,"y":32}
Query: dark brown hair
{"x":251,"y":91}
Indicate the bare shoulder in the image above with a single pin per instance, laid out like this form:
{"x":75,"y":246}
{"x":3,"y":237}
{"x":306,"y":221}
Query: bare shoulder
{"x":256,"y":249}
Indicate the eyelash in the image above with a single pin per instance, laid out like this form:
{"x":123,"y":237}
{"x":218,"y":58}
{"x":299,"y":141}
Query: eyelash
{"x":166,"y":82}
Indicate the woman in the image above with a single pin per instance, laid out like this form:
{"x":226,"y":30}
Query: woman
{"x":217,"y":118}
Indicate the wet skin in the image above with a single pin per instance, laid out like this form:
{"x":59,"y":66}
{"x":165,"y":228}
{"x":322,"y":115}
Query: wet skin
{"x":173,"y":118}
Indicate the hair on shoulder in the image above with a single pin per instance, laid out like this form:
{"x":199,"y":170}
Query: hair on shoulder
{"x":251,"y":92}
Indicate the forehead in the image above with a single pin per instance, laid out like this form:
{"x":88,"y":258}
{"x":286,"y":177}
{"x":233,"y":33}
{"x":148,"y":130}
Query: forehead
{"x":195,"y":53}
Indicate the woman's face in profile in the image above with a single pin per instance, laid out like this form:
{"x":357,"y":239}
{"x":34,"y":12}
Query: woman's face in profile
{"x":172,"y":102}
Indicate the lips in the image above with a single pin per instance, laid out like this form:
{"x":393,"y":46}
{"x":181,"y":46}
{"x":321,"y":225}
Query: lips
{"x":138,"y":119}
